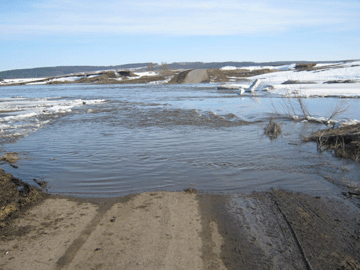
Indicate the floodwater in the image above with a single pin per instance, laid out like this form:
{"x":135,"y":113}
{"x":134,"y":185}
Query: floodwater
{"x":113,"y":140}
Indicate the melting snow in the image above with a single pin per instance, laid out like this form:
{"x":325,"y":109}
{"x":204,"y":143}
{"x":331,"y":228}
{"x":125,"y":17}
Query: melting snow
{"x":21,"y":115}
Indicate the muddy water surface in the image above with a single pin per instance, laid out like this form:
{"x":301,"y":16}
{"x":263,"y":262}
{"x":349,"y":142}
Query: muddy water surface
{"x":158,"y":137}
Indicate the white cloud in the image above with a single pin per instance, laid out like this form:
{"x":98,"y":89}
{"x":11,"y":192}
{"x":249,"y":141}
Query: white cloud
{"x":228,"y":17}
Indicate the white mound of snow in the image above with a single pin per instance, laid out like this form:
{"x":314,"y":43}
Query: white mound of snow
{"x":228,"y":68}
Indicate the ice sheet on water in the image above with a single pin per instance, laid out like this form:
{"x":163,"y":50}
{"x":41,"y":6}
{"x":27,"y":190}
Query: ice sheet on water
{"x":21,"y":116}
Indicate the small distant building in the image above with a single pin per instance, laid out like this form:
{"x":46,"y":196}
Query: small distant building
{"x":124,"y":73}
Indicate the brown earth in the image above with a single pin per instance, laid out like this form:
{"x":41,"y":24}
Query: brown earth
{"x":218,"y":75}
{"x":305,"y":66}
{"x":215,"y":75}
{"x":16,"y":195}
{"x":179,"y":230}
{"x":179,"y":77}
{"x":167,"y":76}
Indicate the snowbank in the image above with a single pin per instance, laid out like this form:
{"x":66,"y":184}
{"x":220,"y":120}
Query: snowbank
{"x":335,"y":80}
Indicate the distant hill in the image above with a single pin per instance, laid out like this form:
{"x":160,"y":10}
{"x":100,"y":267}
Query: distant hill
{"x":209,"y":65}
{"x":63,"y":70}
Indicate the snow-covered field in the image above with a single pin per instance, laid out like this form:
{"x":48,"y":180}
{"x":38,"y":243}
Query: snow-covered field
{"x":342,"y":80}
{"x":325,"y":80}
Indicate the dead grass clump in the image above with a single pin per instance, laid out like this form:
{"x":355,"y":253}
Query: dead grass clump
{"x":190,"y":190}
{"x":305,"y":66}
{"x":298,"y":82}
{"x":218,"y":75}
{"x":273,"y":129}
{"x":340,"y":81}
{"x":343,"y":141}
{"x":10,"y":157}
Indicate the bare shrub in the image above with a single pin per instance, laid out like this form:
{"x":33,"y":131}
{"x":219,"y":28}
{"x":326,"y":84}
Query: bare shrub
{"x":296,"y":108}
{"x":304,"y":108}
{"x":151,"y":66}
{"x":339,"y":109}
{"x":164,"y":66}
{"x":273,"y":129}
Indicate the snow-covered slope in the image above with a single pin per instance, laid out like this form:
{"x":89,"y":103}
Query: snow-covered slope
{"x":341,"y":80}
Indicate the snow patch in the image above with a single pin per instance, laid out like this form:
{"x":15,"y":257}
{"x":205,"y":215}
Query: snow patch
{"x":146,"y":73}
{"x":346,"y":122}
{"x":317,"y":81}
{"x":65,"y":79}
{"x":229,"y":68}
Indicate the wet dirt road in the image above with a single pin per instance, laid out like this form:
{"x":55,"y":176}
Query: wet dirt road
{"x":197,"y":76}
{"x":177,"y":230}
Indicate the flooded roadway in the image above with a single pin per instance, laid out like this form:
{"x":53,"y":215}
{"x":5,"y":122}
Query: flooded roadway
{"x":171,"y":137}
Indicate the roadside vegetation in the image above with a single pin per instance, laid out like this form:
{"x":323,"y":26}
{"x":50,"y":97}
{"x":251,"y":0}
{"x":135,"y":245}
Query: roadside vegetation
{"x":344,"y":142}
{"x":273,"y":129}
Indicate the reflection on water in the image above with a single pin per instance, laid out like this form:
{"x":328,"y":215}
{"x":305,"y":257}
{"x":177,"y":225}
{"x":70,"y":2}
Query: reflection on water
{"x":146,"y":138}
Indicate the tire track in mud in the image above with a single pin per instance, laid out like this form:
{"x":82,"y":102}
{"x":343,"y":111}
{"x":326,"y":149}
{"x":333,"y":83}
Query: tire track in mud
{"x":327,"y":230}
{"x":103,"y":207}
{"x":284,"y":230}
{"x":295,"y":237}
{"x":256,"y":237}
{"x":158,"y":230}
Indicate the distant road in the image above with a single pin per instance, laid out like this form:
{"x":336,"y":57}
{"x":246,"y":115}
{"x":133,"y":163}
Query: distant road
{"x":197,"y":76}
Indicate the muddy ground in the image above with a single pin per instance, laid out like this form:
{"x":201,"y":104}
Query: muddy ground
{"x":178,"y":230}
{"x":16,"y":195}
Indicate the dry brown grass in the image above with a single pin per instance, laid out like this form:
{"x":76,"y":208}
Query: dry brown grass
{"x":344,"y":141}
{"x":10,"y":157}
{"x":305,"y":66}
{"x":218,"y":75}
{"x":273,"y":129}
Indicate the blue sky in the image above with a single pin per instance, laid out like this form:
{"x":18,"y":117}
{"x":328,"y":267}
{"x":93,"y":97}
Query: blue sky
{"x":37,"y":33}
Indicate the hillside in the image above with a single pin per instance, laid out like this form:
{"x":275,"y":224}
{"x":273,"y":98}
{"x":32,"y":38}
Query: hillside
{"x":64,"y":70}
